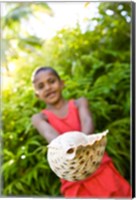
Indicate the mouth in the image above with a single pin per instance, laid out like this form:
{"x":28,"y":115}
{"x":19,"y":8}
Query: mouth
{"x":50,"y":94}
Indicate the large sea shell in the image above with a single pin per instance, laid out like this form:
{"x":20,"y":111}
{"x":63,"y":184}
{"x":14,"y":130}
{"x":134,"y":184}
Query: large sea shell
{"x":74,"y":156}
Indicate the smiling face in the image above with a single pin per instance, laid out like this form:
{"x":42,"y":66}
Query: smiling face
{"x":48,"y":87}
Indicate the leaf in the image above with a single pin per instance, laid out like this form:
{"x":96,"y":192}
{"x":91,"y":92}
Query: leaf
{"x":19,"y":186}
{"x":16,"y":14}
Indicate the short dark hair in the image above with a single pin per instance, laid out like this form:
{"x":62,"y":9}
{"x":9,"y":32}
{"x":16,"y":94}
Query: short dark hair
{"x":44,"y":68}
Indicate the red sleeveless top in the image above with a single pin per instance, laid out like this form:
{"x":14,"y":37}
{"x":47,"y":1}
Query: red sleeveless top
{"x":105,"y":182}
{"x":70,"y":122}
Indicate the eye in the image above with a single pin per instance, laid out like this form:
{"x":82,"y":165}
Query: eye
{"x":40,"y":86}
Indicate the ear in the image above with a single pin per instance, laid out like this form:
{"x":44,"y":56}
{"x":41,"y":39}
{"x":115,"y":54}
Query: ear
{"x":36,"y":94}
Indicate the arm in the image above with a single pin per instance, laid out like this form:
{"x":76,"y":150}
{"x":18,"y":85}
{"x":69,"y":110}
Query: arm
{"x":43,"y":127}
{"x":85,"y":115}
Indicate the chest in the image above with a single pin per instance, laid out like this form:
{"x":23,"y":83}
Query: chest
{"x":61,"y":112}
{"x":65,"y":119}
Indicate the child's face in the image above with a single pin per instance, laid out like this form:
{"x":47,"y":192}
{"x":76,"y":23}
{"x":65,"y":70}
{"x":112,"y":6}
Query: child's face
{"x":48,"y":87}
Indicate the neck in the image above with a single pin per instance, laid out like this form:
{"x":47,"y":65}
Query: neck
{"x":57,"y":105}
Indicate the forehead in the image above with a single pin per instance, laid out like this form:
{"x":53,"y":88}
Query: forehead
{"x":43,"y":75}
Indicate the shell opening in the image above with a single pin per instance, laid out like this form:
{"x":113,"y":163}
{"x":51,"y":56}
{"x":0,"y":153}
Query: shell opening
{"x":69,"y":151}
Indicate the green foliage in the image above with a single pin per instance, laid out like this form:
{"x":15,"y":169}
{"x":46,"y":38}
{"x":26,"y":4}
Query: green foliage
{"x":95,"y":64}
{"x":17,"y":11}
{"x":25,"y":167}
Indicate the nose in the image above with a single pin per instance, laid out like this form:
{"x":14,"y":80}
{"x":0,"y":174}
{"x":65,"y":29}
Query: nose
{"x":47,"y":87}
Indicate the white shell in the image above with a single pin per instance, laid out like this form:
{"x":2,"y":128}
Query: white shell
{"x":74,"y":156}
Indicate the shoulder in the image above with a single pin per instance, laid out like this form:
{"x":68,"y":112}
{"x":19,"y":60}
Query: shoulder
{"x":39,"y":116}
{"x":81,"y":102}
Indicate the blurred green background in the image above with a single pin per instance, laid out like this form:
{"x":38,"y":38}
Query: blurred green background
{"x":94,"y":62}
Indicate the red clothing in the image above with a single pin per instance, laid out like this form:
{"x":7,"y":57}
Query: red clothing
{"x":105,"y":182}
